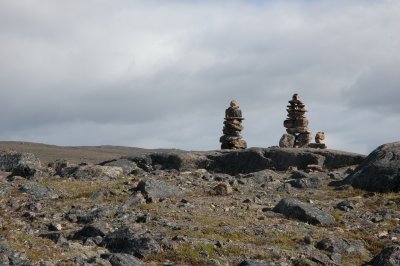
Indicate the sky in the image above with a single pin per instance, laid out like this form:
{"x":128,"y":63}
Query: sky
{"x":160,"y":74}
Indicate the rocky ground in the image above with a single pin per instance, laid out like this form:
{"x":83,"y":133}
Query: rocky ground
{"x":254,"y":207}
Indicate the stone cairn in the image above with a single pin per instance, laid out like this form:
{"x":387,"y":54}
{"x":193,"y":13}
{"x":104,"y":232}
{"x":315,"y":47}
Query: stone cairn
{"x":232,"y":128}
{"x":319,"y":141}
{"x":296,"y":125}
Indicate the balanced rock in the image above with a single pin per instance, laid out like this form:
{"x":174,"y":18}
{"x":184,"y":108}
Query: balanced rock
{"x":296,"y":123}
{"x":232,"y":128}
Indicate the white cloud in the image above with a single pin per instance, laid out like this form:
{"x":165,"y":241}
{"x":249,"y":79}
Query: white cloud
{"x":161,"y":73}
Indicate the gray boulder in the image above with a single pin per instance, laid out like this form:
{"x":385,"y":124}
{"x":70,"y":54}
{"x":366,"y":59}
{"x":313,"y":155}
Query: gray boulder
{"x":154,"y":190}
{"x":121,"y":259}
{"x":92,"y":171}
{"x":20,"y":163}
{"x":305,"y":212}
{"x":380,"y":171}
{"x":389,"y":256}
{"x":132,"y":241}
{"x":312,"y":182}
{"x":263,"y":176}
{"x":128,"y":167}
{"x":38,"y":192}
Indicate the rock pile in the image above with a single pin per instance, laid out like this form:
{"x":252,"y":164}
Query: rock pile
{"x":319,"y":141}
{"x":296,"y":124}
{"x":232,"y":128}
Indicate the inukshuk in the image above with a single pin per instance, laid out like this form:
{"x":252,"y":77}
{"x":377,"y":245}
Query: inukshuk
{"x":232,"y":128}
{"x":296,"y":123}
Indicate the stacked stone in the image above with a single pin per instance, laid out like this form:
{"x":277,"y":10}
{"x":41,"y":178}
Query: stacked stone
{"x":296,"y":123}
{"x":232,"y":128}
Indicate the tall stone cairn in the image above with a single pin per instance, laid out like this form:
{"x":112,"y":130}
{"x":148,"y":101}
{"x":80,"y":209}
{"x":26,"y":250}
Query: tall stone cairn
{"x":296,"y":123}
{"x":232,"y":128}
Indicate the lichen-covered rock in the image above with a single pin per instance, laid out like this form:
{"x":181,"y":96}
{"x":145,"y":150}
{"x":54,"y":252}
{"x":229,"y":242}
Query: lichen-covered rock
{"x":305,"y":212}
{"x":121,"y":259}
{"x":380,"y":171}
{"x":20,"y":163}
{"x":92,"y":171}
{"x":154,"y":190}
{"x":223,"y":189}
{"x":128,"y":167}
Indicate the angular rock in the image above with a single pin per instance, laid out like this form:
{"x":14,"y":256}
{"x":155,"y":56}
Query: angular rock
{"x":38,"y":192}
{"x":20,"y":163}
{"x":88,"y":231}
{"x":389,"y":256}
{"x":157,"y":189}
{"x":250,"y":262}
{"x":92,"y":171}
{"x":305,"y":212}
{"x":312,"y":182}
{"x":342,"y":246}
{"x":132,"y":241}
{"x":121,"y":259}
{"x":380,"y":171}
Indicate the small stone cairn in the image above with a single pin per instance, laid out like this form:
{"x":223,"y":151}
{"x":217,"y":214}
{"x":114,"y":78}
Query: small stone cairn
{"x":296,"y":125}
{"x":319,"y":141}
{"x":232,"y":128}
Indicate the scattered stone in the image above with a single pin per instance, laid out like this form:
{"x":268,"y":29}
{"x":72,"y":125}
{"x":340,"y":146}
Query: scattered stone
{"x":232,"y":128}
{"x":345,"y":205}
{"x":223,"y":189}
{"x":305,"y":212}
{"x":263,"y":176}
{"x":389,"y":256}
{"x":296,"y":123}
{"x":299,"y":175}
{"x":250,"y":262}
{"x":131,"y":241}
{"x":380,"y":171}
{"x":56,"y":237}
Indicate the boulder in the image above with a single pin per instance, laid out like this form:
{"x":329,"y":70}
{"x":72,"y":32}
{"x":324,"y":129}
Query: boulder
{"x":92,"y":171}
{"x":38,"y":192}
{"x":88,"y":231}
{"x":128,"y":167}
{"x":312,"y":182}
{"x":287,"y":141}
{"x":132,"y":241}
{"x":20,"y":163}
{"x":305,"y":212}
{"x":380,"y":171}
{"x":154,"y":190}
{"x":389,"y":256}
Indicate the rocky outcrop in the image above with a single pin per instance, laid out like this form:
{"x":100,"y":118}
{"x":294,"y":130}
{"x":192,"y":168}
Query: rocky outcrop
{"x":380,"y":171}
{"x":20,"y":163}
{"x":248,"y":160}
{"x":305,"y":212}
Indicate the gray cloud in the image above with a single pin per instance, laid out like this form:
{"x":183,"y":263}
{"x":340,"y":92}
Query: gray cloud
{"x":161,"y":73}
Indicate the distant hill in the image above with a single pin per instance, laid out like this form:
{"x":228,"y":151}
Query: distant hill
{"x":78,"y":154}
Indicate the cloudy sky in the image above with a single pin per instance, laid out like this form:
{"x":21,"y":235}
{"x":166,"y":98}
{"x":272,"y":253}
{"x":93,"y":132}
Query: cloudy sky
{"x":160,"y":74}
